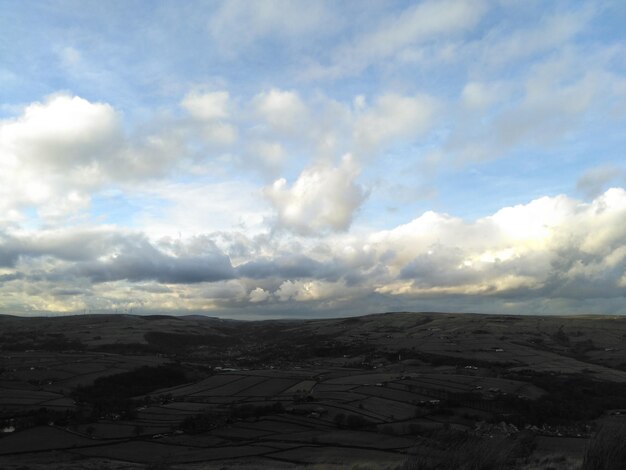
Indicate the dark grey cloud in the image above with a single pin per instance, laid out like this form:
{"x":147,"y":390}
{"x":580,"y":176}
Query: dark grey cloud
{"x":108,"y":255}
{"x":578,"y":259}
{"x":67,"y":292}
{"x":66,"y":245}
{"x":292,"y":266}
{"x":596,"y":180}
{"x":579,"y":275}
{"x":139,"y":260}
{"x":11,"y":277}
{"x":8,"y":257}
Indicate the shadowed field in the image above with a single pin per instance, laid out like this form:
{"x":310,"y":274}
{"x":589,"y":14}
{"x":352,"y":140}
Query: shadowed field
{"x":381,"y":391}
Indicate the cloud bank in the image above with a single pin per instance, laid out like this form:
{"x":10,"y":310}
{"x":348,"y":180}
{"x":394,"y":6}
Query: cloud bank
{"x":319,"y":158}
{"x":554,"y":248}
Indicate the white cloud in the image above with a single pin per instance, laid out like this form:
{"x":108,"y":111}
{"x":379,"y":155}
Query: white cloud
{"x":63,"y":130}
{"x":207,"y":106}
{"x":504,"y":46}
{"x":322,"y":199}
{"x":239,"y":24}
{"x":541,"y":248}
{"x":271,"y":155}
{"x":221,"y":134}
{"x":283,"y":111}
{"x":183,"y":142}
{"x":393,"y":117}
{"x":70,"y":56}
{"x":553,"y":248}
{"x":552,"y":100}
{"x":398,"y":35}
{"x":533,"y":222}
{"x":258,"y":295}
{"x":57,"y":153}
{"x":305,"y":291}
{"x":174,"y":209}
{"x":480,"y":95}
{"x":72,"y":202}
{"x":211,"y":112}
{"x":52,"y":154}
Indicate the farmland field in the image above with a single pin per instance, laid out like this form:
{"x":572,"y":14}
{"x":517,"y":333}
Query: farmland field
{"x":379,"y":389}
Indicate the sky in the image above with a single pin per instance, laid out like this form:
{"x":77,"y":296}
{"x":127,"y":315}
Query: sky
{"x":298,"y":159}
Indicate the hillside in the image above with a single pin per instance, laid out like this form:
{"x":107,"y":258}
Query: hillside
{"x":382,"y":390}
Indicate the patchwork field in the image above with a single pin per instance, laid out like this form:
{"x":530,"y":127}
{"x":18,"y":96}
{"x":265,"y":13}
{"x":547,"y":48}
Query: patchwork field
{"x":381,"y":390}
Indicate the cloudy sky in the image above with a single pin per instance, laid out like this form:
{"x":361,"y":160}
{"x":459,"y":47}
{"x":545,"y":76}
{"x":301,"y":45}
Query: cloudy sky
{"x":312,"y":158}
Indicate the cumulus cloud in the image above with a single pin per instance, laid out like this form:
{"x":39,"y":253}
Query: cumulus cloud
{"x":305,"y":291}
{"x":258,"y":295}
{"x":57,"y":153}
{"x":535,"y":248}
{"x":63,"y":149}
{"x":51,"y":153}
{"x":211,"y":112}
{"x":63,"y":130}
{"x":283,"y":111}
{"x":285,"y":130}
{"x":322,"y":199}
{"x":554,"y":248}
{"x":550,"y":248}
{"x":190,"y":164}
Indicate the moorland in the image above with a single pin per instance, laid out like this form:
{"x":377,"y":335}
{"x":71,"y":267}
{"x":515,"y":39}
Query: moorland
{"x":396,"y":391}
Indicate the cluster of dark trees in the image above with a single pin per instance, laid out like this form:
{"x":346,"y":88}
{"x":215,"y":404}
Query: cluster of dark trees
{"x":569,"y":399}
{"x":114,"y":393}
{"x":206,"y":421}
{"x":176,"y":343}
{"x":351,"y":421}
{"x":49,"y":342}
